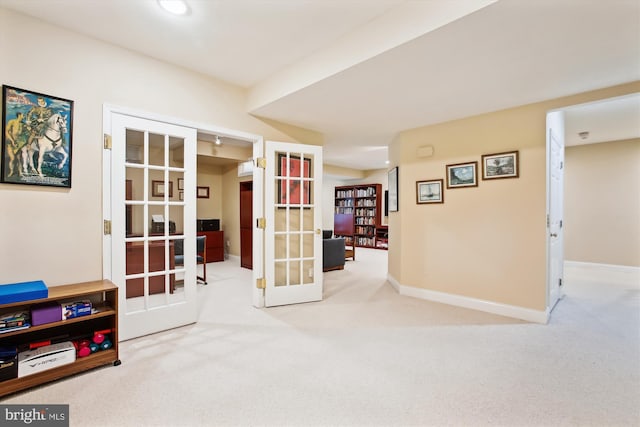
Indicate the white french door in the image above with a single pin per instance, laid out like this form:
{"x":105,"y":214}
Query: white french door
{"x":293,"y":214}
{"x":555,"y":207}
{"x":152,"y":200}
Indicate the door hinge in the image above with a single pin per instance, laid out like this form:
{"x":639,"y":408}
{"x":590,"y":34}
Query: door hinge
{"x":107,"y":227}
{"x":261,"y":223}
{"x":261,"y":162}
{"x":561,"y":165}
{"x":107,"y":142}
{"x":261,"y":283}
{"x":560,"y":223}
{"x":560,"y":282}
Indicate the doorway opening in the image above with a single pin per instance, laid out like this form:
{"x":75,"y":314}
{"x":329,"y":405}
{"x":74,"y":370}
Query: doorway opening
{"x":600,"y":193}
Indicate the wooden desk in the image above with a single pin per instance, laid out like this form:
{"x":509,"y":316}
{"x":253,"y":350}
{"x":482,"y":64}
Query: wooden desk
{"x":135,"y":265}
{"x":215,"y":245}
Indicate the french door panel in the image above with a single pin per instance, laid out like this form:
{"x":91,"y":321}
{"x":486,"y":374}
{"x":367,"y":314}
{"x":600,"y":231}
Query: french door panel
{"x":293,"y":241}
{"x":152,"y":224}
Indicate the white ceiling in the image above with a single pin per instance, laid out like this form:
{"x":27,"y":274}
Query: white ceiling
{"x":359,"y":71}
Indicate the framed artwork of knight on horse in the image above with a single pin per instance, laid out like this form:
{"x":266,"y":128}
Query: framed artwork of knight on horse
{"x":37,"y":130}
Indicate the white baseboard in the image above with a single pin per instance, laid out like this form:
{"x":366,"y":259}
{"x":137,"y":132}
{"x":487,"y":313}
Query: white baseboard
{"x":475,"y":304}
{"x":609,"y":273}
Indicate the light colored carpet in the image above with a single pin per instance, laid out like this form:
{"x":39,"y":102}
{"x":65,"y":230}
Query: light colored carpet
{"x":367,"y":356}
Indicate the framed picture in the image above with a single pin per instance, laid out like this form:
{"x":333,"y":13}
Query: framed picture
{"x":429,"y":191}
{"x":37,"y":132}
{"x":181,"y":195}
{"x":462,"y":175}
{"x":157,"y":189}
{"x":299,"y":190}
{"x":202,"y":192}
{"x":500,"y":165}
{"x":180,"y":183}
{"x":393,"y":189}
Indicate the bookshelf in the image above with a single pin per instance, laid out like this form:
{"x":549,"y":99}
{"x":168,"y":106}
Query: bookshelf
{"x":104,"y":297}
{"x":362,"y":206}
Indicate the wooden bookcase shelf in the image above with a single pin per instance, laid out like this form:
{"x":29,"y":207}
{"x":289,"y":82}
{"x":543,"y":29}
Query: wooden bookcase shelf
{"x":104,"y":297}
{"x":363,"y":204}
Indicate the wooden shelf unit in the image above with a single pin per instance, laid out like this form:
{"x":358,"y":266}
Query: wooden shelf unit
{"x":364,"y":204}
{"x":104,"y":297}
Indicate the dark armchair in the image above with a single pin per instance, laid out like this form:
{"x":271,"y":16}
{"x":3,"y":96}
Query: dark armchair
{"x":333,"y":252}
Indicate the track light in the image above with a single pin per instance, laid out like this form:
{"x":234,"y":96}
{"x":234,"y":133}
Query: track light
{"x":218,"y":142}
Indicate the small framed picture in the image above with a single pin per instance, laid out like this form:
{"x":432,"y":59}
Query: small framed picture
{"x":202,"y":192}
{"x":500,"y":165}
{"x":181,"y":195}
{"x":157,"y":189}
{"x":429,"y":191}
{"x":461,"y":175}
{"x":180,"y":183}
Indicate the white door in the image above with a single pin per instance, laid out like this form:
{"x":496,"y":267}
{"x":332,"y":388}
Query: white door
{"x":153,"y":198}
{"x":555,"y":196}
{"x":293,"y":237}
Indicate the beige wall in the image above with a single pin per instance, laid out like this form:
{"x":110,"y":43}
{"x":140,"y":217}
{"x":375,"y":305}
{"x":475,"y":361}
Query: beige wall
{"x":486,"y":242}
{"x":56,"y":234}
{"x":602,"y":203}
{"x":210,"y":176}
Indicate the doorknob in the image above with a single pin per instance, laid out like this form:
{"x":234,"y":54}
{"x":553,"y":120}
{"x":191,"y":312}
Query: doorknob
{"x":317,"y":231}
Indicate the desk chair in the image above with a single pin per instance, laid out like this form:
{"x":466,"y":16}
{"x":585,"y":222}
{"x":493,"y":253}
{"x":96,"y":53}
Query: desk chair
{"x":201,"y":255}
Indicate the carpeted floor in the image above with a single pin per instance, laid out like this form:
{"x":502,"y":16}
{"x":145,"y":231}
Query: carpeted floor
{"x":366,"y":356}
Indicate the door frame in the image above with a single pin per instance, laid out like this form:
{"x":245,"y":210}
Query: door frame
{"x":258,"y":178}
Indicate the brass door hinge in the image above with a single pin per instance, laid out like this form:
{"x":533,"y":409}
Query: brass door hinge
{"x":261,"y":162}
{"x":107,"y":142}
{"x":261,"y":223}
{"x":107,"y":227}
{"x":261,"y":283}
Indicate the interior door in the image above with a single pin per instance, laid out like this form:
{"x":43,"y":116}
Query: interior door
{"x":293,"y":238}
{"x":555,"y":207}
{"x":149,"y":221}
{"x":246,"y":224}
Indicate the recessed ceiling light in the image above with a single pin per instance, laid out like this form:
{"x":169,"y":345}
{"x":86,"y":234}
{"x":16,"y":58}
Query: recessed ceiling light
{"x":177,"y":7}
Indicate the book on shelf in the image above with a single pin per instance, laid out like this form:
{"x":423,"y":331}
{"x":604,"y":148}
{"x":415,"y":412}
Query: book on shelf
{"x":13,"y":319}
{"x":14,"y":328}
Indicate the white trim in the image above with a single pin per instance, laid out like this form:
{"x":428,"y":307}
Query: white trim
{"x":200,"y":127}
{"x":516,"y":312}
{"x":394,"y":283}
{"x":106,"y":195}
{"x":257,"y":294}
{"x":234,"y":258}
{"x":610,"y":273}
